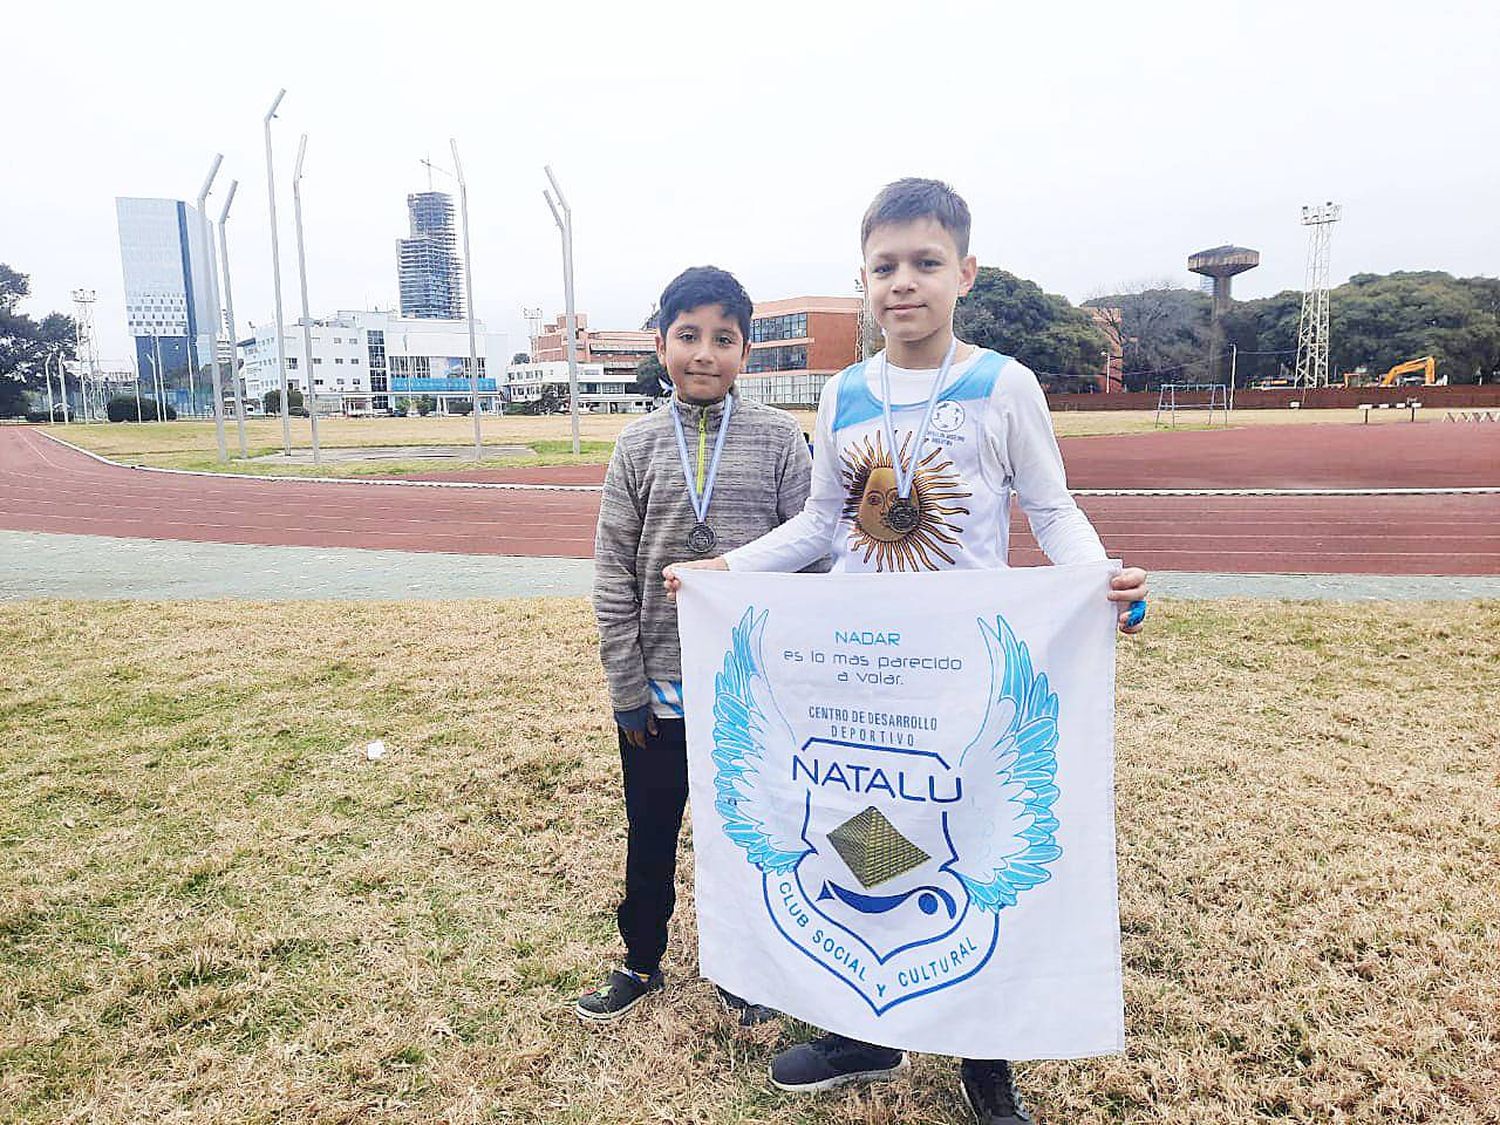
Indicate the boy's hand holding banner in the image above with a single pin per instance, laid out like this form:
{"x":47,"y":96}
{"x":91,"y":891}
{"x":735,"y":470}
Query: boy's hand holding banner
{"x":903,"y":803}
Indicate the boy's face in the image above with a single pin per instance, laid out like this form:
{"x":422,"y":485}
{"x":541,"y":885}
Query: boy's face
{"x":914,"y":277}
{"x":703,"y":351}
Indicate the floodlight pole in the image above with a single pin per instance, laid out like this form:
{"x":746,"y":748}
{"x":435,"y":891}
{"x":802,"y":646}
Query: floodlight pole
{"x":564,"y":222}
{"x":47,"y":374}
{"x":1234,"y":360}
{"x":286,"y":417}
{"x":234,"y":375}
{"x":312,"y":383}
{"x":136,"y":365}
{"x":463,"y":206}
{"x":161,"y":383}
{"x":213,"y":292}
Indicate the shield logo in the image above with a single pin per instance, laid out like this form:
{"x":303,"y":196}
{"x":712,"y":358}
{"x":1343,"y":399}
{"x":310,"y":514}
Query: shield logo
{"x":889,"y":866}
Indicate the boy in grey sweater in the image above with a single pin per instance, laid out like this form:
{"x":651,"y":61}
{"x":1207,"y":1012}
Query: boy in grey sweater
{"x":708,"y":473}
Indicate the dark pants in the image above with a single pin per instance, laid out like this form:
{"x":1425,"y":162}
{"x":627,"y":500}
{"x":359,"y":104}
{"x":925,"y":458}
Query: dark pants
{"x":656,"y":789}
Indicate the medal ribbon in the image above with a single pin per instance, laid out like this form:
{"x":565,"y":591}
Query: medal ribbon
{"x":906,"y":471}
{"x":700,"y":496}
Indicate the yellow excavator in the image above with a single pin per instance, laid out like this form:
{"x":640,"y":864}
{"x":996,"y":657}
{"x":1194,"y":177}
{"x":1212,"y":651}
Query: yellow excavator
{"x":1392,"y":378}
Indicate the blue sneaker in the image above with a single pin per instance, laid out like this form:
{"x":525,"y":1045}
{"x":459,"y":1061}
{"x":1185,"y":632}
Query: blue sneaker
{"x":831,"y":1061}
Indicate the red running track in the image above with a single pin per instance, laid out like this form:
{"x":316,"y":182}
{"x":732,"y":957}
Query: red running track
{"x":48,"y":488}
{"x":1389,"y":455}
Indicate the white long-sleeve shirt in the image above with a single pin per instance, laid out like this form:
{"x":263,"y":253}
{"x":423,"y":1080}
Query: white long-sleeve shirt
{"x":990,"y":437}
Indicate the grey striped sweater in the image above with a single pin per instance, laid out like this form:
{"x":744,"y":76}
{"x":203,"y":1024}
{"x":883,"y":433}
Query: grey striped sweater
{"x":645,"y":517}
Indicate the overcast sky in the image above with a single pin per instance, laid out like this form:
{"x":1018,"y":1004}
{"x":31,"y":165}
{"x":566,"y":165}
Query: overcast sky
{"x":1097,"y":144}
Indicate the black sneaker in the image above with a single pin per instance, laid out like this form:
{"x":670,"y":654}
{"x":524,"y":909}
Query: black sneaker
{"x":989,"y":1088}
{"x":616,"y":996}
{"x":747,"y":1013}
{"x":832,"y":1060}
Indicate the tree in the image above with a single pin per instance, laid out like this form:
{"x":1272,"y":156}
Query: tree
{"x":651,"y":378}
{"x":271,"y":400}
{"x":26,"y":344}
{"x":521,"y":357}
{"x":1163,"y":333}
{"x":1377,"y":321}
{"x":1042,"y":330}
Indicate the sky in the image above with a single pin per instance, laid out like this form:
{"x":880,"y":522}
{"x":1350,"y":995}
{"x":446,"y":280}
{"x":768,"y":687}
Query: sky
{"x":1098,"y":144}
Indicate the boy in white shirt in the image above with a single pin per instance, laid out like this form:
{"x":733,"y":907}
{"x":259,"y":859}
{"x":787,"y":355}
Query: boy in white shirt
{"x":917,"y":453}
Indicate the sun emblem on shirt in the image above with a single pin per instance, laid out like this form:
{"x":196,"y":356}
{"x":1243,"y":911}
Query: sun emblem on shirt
{"x":869,"y":491}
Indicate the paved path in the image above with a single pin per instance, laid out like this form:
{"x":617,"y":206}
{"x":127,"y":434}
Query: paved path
{"x":35,"y":565}
{"x":47,"y":487}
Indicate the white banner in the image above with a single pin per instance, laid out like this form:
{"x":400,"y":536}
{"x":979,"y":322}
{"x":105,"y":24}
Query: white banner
{"x":903,"y":803}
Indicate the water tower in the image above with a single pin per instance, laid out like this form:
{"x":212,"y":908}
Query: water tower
{"x":1221,"y":263}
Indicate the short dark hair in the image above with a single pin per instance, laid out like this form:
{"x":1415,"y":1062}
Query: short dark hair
{"x":705,"y":285}
{"x":908,"y":200}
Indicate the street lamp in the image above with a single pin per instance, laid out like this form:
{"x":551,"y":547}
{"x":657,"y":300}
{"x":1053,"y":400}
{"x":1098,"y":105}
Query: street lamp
{"x":564,"y":221}
{"x":156,"y":389}
{"x":463,"y":206}
{"x":312,"y":392}
{"x":47,"y":374}
{"x":286,"y":418}
{"x":234,"y":375}
{"x":213,"y":293}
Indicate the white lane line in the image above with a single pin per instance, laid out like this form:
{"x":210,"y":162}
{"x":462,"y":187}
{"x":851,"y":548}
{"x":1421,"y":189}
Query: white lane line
{"x":1473,"y":490}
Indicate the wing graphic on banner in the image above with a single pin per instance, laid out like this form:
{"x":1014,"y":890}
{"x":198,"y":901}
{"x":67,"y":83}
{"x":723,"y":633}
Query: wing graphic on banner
{"x":1003,"y":833}
{"x":749,"y":729}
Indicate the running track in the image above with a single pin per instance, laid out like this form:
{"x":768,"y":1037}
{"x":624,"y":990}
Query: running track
{"x":46,"y":487}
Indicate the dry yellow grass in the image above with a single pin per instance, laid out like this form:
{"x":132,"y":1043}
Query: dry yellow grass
{"x":213,"y":908}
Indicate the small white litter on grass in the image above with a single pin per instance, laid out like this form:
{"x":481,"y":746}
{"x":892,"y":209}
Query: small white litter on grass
{"x":374,"y":751}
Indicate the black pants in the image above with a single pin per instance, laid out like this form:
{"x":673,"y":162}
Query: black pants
{"x":656,"y":789}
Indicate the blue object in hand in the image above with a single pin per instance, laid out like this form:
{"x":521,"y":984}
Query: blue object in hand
{"x":1136,"y":615}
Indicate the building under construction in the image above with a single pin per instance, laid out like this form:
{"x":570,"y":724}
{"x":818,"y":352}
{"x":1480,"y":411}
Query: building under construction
{"x":428,"y":265}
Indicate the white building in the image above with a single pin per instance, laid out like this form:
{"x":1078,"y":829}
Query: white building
{"x":597,"y":391}
{"x":362,"y":362}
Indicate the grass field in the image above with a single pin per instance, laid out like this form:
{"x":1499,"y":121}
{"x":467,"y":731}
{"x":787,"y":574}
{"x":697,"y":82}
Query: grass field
{"x":191,"y":444}
{"x":214,"y":908}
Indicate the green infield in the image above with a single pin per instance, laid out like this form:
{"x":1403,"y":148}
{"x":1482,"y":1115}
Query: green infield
{"x":217,"y":905}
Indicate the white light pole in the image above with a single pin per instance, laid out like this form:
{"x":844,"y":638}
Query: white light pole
{"x":47,"y":374}
{"x":234,"y":375}
{"x":463,"y":207}
{"x":565,"y":225}
{"x":286,"y":418}
{"x":161,"y":382}
{"x":135,"y":363}
{"x":213,"y":296}
{"x":312,"y":393}
{"x":62,"y":385}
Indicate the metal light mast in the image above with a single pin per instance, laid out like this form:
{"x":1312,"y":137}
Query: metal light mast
{"x":87,"y":353}
{"x":1312,"y":326}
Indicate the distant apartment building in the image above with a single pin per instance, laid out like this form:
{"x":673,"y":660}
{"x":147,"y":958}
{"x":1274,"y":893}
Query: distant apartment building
{"x":598,"y":390}
{"x":429,"y":270}
{"x":363,"y":362}
{"x":797,"y":345}
{"x":168,"y":300}
{"x":618,"y":351}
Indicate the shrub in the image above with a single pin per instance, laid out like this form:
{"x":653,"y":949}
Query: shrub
{"x":123,"y":409}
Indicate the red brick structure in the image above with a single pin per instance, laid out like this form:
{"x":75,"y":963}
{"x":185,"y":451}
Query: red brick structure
{"x":796,"y":344}
{"x":619,"y":350}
